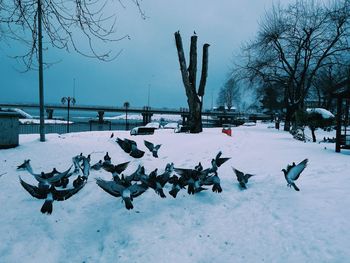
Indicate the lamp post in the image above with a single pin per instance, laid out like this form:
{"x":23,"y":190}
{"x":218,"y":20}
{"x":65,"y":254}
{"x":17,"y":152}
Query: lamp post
{"x":69,"y":100}
{"x":126,"y":106}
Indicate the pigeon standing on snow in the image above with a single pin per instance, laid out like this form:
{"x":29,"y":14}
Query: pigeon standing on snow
{"x":242,"y":178}
{"x":293,"y":172}
{"x":49,"y":194}
{"x":153,"y":148}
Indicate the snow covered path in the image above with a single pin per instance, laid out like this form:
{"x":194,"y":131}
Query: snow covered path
{"x":268,"y":222}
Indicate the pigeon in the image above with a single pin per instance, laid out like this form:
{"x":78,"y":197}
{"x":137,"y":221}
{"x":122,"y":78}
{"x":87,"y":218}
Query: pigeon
{"x":47,"y":179}
{"x":177,"y":185}
{"x":64,"y":180}
{"x":242,"y":178}
{"x":126,"y":192}
{"x":153,"y":148}
{"x":85,"y":168}
{"x":137,"y":175}
{"x":154,"y":182}
{"x":24,"y":165}
{"x":76,"y":160}
{"x":199,"y":167}
{"x":97,"y":166}
{"x":125,"y":144}
{"x":112,"y":135}
{"x":135,"y":152}
{"x":116,"y":170}
{"x":164,"y":177}
{"x":51,"y":194}
{"x":191,"y":178}
{"x":213,"y":180}
{"x":293,"y":172}
{"x":106,"y":158}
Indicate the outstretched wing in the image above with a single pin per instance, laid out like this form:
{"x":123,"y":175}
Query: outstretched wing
{"x":137,"y":189}
{"x":220,"y":161}
{"x":295,"y":171}
{"x":33,"y":190}
{"x":121,"y":167}
{"x":149,"y":145}
{"x":110,"y":187}
{"x":239,"y":174}
{"x":61,"y":195}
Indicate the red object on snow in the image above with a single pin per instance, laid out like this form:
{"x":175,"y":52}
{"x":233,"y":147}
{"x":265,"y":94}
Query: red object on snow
{"x":227,"y":131}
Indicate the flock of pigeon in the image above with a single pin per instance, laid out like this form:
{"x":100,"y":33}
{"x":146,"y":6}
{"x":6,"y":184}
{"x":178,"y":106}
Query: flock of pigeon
{"x":52,"y":185}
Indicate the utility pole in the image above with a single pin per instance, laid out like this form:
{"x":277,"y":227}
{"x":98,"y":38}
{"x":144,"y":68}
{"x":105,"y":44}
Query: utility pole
{"x":41,"y":75}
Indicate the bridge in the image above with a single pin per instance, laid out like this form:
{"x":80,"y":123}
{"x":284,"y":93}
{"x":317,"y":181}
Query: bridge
{"x":146,"y":112}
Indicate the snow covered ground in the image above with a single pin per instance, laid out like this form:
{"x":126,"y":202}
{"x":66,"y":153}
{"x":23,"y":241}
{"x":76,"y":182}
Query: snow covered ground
{"x":268,"y":222}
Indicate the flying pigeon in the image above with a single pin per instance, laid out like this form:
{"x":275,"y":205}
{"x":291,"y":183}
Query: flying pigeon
{"x":135,"y":152}
{"x":138,"y":175}
{"x":153,"y":148}
{"x":115,"y":170}
{"x":47,"y":179}
{"x":177,"y":185}
{"x":126,"y":192}
{"x":293,"y":172}
{"x":242,"y":178}
{"x":24,"y":165}
{"x":125,"y":144}
{"x":49,"y":194}
{"x":164,"y":177}
{"x":191,"y":178}
{"x":154,"y":182}
{"x":76,"y":160}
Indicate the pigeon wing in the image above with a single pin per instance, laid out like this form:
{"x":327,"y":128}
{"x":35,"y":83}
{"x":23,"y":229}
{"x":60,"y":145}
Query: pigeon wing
{"x":121,"y":167}
{"x":239,"y":174}
{"x":59,"y":176}
{"x":110,"y":187}
{"x":295,"y":171}
{"x":149,"y":145}
{"x":220,"y":161}
{"x":137,"y":189}
{"x":33,"y":190}
{"x":61,"y":195}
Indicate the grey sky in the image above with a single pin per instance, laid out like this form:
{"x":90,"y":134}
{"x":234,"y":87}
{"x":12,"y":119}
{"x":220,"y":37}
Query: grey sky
{"x":149,"y":59}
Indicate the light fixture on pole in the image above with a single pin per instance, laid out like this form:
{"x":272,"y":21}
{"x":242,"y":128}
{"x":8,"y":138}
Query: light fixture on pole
{"x":69,"y":100}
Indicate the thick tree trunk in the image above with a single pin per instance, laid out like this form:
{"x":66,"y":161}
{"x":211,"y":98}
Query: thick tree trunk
{"x":194,"y":99}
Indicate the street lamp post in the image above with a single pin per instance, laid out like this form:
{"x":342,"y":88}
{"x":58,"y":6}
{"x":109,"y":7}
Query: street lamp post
{"x":69,"y":100}
{"x":126,"y":106}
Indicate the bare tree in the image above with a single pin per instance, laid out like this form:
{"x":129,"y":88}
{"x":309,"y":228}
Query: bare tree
{"x":63,"y":24}
{"x":194,"y":97}
{"x":293,"y":44}
{"x":227,"y":93}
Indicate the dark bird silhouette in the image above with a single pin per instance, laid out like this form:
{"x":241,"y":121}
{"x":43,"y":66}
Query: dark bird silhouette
{"x":135,"y":152}
{"x":213,"y":180}
{"x":126,"y":192}
{"x":153,"y":148}
{"x":50,"y":194}
{"x":242,"y":178}
{"x":125,"y":144}
{"x":107,"y":158}
{"x":115,"y":170}
{"x":164,"y":177}
{"x":154,"y":182}
{"x":293,"y":172}
{"x":177,"y":185}
{"x":194,"y":32}
{"x":112,"y":135}
{"x":97,"y":166}
{"x":191,"y":178}
{"x":24,"y":165}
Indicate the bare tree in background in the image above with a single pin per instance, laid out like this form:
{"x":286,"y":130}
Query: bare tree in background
{"x":194,"y":97}
{"x":62,"y":24}
{"x":293,"y":44}
{"x":227,"y":93}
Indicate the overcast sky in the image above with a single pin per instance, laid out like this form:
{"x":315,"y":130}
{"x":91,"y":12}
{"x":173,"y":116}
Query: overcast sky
{"x":149,"y":59}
